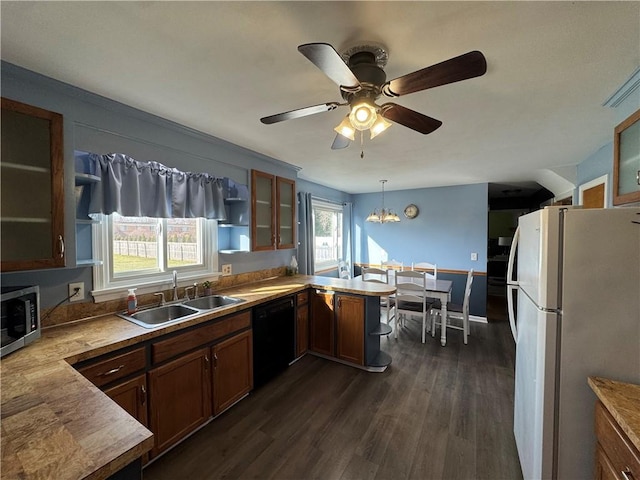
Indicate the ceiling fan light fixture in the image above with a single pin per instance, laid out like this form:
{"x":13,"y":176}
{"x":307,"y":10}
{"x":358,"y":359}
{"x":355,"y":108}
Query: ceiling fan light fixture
{"x":363,"y":115}
{"x":346,"y":129}
{"x":380,"y":125}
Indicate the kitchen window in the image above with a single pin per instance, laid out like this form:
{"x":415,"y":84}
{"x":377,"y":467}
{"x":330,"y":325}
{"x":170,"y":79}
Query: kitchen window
{"x":327,"y":234}
{"x":143,"y":252}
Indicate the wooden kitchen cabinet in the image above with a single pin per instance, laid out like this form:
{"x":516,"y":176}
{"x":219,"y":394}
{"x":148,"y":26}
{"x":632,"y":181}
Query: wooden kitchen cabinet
{"x":179,"y":398}
{"x":232,"y":370}
{"x":302,"y":323}
{"x":616,"y":456}
{"x":322,"y":323}
{"x":131,"y":395}
{"x":626,"y":161}
{"x":32,"y":188}
{"x":272,"y":212}
{"x":350,"y":322}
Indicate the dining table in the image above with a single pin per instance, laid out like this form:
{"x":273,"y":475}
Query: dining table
{"x":434,"y":288}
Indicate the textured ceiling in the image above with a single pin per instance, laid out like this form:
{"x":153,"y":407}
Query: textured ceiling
{"x":218,"y":67}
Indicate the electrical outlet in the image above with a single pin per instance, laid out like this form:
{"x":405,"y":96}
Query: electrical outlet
{"x":226,"y":269}
{"x":474,"y":257}
{"x":76,"y":297}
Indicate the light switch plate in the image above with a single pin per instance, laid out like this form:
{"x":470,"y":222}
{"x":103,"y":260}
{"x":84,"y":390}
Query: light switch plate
{"x":474,"y":257}
{"x":226,"y":269}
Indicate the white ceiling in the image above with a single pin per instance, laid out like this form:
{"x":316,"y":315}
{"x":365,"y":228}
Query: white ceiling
{"x":218,"y":67}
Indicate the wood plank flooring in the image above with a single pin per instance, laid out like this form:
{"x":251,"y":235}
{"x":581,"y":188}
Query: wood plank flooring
{"x":436,"y":413}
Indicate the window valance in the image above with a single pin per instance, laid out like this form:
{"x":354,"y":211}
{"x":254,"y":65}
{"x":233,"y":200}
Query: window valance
{"x":150,"y":189}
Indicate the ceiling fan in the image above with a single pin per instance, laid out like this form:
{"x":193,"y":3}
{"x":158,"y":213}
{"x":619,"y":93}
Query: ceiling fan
{"x":359,"y":74}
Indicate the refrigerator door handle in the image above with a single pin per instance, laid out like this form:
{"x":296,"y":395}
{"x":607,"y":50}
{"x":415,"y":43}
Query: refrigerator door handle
{"x":512,"y":284}
{"x":512,"y":258}
{"x":512,"y":317}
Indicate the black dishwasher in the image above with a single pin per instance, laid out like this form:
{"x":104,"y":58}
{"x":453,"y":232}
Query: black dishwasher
{"x":273,"y":339}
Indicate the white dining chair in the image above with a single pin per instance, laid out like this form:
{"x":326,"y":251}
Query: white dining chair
{"x":392,"y":265}
{"x":456,"y":312}
{"x":377,"y":275}
{"x":431,"y":269}
{"x":409,"y":298}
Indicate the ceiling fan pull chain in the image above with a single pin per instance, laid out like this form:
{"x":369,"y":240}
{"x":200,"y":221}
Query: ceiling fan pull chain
{"x":361,"y":144}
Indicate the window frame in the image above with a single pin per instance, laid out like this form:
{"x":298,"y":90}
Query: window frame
{"x":319,"y":267}
{"x":109,"y":287}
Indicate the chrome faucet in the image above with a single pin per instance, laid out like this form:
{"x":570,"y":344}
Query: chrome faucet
{"x":175,"y":285}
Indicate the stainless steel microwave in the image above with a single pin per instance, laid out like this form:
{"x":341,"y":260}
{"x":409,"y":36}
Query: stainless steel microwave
{"x":19,"y":317}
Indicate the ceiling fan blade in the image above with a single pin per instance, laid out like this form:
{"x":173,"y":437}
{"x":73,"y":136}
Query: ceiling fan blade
{"x":340,"y":142}
{"x":325,"y":57}
{"x":469,"y":65}
{"x":301,"y":112}
{"x":410,"y":118}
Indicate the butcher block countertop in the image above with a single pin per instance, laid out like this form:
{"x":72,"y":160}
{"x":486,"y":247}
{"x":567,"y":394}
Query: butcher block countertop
{"x":57,"y":424}
{"x":623,"y":402}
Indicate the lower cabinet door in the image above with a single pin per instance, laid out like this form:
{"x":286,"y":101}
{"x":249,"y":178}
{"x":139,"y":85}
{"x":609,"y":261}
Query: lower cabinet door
{"x":180,"y":398}
{"x":604,"y":470}
{"x":232,"y":370}
{"x":132,"y":397}
{"x":321,"y":335}
{"x":350,"y":328}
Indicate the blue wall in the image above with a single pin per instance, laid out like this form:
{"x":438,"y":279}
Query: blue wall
{"x":452,"y":224}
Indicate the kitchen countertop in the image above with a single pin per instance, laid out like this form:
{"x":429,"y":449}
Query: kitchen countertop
{"x":57,"y":424}
{"x":623,"y":402}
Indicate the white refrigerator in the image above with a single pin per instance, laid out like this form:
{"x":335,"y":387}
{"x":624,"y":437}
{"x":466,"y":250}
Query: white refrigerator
{"x":577,"y":314}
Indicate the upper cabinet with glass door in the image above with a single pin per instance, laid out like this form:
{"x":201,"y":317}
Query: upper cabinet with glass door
{"x":273,"y":212}
{"x":626,"y":161}
{"x":32,"y":182}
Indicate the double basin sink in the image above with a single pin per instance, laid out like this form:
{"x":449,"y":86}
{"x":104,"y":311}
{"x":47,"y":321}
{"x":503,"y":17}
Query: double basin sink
{"x":165,"y":314}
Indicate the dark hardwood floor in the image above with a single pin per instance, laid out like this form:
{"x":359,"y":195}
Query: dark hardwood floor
{"x":436,"y":413}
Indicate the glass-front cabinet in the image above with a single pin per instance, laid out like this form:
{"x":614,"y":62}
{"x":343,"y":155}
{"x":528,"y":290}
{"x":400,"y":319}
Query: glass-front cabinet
{"x":262,"y":211}
{"x":286,"y":202}
{"x":32,"y":182}
{"x":273,"y":212}
{"x":626,"y":161}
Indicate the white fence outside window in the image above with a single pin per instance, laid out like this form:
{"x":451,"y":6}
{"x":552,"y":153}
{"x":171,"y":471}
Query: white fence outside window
{"x":177,"y":251}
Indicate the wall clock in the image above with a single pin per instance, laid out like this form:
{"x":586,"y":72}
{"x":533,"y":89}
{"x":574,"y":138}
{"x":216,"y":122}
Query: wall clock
{"x":411,"y":211}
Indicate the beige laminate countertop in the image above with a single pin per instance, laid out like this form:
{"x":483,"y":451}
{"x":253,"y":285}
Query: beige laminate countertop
{"x":623,"y":402}
{"x":57,"y":424}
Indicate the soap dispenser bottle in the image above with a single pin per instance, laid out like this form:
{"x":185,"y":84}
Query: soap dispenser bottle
{"x":132,"y":302}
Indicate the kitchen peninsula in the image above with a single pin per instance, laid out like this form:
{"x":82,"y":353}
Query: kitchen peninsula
{"x":57,"y":424}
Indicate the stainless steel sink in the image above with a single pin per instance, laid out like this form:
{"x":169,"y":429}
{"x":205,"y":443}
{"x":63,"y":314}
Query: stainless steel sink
{"x":158,"y":316}
{"x":212,"y":301}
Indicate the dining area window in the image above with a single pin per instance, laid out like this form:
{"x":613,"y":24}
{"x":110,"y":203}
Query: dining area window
{"x":327,"y":234}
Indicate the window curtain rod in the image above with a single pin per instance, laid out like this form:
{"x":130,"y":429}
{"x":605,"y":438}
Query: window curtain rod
{"x":313,"y":197}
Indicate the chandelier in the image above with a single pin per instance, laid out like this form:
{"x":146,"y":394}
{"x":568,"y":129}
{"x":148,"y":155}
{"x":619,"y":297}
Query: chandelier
{"x":385,"y":216}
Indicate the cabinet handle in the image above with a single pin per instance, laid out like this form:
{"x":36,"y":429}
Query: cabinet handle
{"x":627,"y":474}
{"x":112,"y":371}
{"x":206,"y":361}
{"x":215,"y":360}
{"x":143,"y":395}
{"x":61,"y":243}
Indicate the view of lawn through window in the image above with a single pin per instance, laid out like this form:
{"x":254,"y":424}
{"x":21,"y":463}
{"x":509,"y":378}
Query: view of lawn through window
{"x":139,"y":243}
